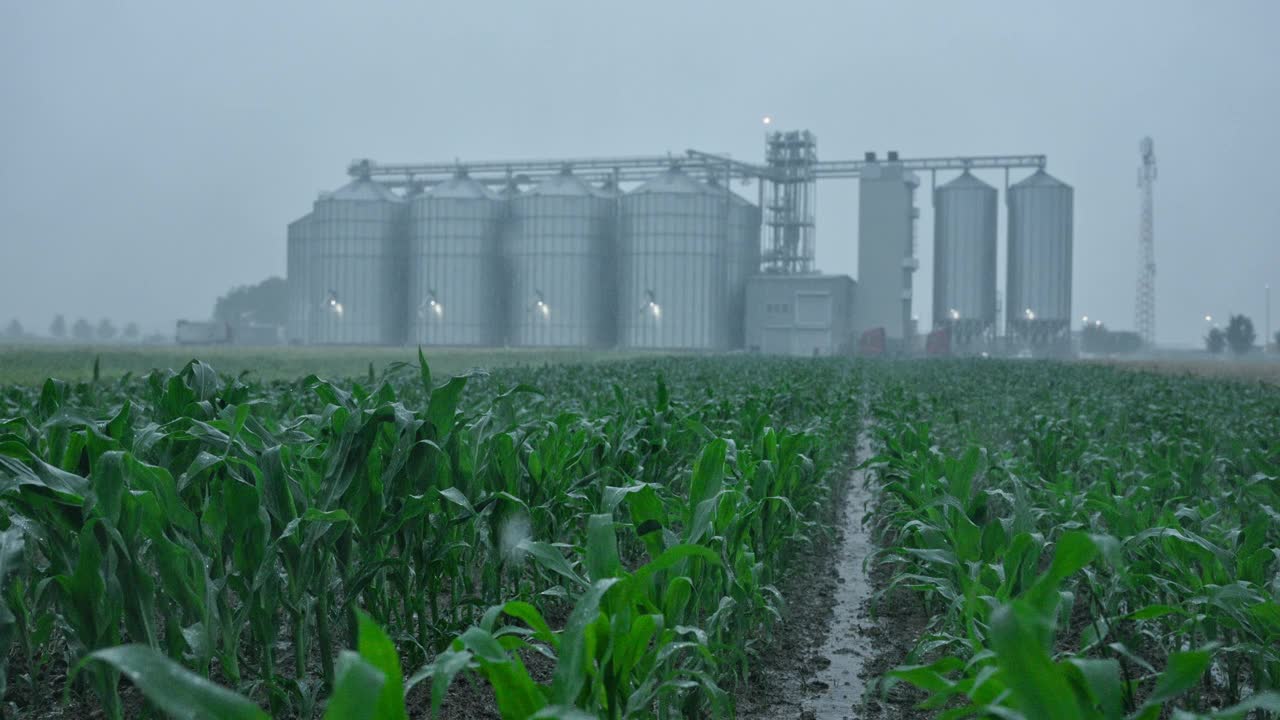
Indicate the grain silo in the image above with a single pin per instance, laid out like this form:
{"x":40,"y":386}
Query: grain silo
{"x":672,"y":254}
{"x":964,"y":257}
{"x":354,"y":283}
{"x":1038,"y":292}
{"x":455,"y":285}
{"x":559,"y":256}
{"x":743,"y":259}
{"x":297,"y":268}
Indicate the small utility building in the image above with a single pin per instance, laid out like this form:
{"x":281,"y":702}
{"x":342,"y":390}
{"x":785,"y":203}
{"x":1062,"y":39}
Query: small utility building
{"x":803,"y":315}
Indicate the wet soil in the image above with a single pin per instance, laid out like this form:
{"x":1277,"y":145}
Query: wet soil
{"x":895,"y":623}
{"x":838,"y":687}
{"x":780,"y":678}
{"x":841,"y":634}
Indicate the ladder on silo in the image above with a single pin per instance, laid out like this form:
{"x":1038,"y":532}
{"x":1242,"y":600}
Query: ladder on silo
{"x":1145,"y":306}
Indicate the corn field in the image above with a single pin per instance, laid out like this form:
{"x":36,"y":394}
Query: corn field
{"x":1088,"y":543}
{"x":608,"y":540}
{"x":288,"y":549}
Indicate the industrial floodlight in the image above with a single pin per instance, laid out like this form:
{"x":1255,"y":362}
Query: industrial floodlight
{"x":430,"y":305}
{"x":1030,"y":315}
{"x":955,"y":314}
{"x":541,"y":304}
{"x":652,"y":307}
{"x":333,"y":303}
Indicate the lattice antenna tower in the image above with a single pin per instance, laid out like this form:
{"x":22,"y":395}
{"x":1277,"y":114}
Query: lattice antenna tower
{"x":1145,"y":307}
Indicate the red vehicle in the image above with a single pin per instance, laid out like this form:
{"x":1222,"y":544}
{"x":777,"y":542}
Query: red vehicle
{"x":872,"y":343}
{"x":938,"y":342}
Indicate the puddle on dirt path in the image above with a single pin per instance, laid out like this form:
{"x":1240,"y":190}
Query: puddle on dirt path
{"x":836,"y":687}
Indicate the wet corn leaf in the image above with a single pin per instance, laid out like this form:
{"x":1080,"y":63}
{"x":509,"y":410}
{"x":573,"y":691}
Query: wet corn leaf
{"x":175,"y":690}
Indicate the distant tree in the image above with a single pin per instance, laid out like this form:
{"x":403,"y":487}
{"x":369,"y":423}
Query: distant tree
{"x":106,"y":331}
{"x":82,"y":330}
{"x":14,"y":331}
{"x":1240,"y":335}
{"x":131,"y":331}
{"x":1277,"y":339}
{"x":267,"y":303}
{"x":1216,"y":341}
{"x":59,"y":327}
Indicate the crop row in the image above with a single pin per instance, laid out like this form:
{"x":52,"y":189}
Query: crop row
{"x":1088,"y":542}
{"x":622,"y":524}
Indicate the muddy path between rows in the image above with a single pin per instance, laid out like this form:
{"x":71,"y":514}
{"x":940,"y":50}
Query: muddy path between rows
{"x":834,"y":646}
{"x":838,"y":686}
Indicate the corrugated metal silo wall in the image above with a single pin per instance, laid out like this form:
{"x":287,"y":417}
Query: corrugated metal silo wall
{"x":356,"y":256}
{"x":964,"y":254}
{"x":559,"y":252}
{"x":1039,"y":262}
{"x":454,"y":258}
{"x":673,"y":245}
{"x":744,"y":261}
{"x":296,"y":267}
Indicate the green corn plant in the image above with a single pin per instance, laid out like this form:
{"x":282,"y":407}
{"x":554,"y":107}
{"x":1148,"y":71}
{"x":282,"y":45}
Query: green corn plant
{"x":619,"y":655}
{"x":369,"y":683}
{"x":233,"y":526}
{"x":1065,"y":449}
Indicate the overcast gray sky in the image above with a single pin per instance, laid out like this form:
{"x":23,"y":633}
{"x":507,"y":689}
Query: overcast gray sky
{"x":151,"y":153}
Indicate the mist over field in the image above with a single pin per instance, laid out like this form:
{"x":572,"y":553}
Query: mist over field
{"x":173,"y":143}
{"x":718,"y":360}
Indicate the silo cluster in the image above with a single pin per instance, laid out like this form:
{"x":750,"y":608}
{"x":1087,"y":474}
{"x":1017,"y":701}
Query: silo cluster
{"x":561,"y":264}
{"x":1037,"y":305}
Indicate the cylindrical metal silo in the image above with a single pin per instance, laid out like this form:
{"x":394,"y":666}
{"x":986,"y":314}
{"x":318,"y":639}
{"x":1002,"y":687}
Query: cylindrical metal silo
{"x":964,"y":257}
{"x":456,"y":288}
{"x":559,"y":255}
{"x":354,"y":278}
{"x":297,"y":264}
{"x":742,"y":262}
{"x":672,"y":253}
{"x":1038,"y":305}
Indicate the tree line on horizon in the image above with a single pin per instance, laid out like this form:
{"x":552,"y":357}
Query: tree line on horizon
{"x":82,"y":330}
{"x":262,"y":303}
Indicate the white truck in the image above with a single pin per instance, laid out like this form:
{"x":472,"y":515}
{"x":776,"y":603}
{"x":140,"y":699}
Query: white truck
{"x":195,"y":332}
